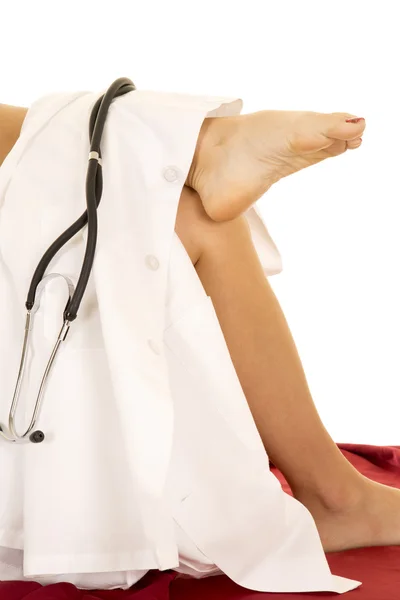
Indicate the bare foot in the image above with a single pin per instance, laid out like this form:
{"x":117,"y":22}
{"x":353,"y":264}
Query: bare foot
{"x":237,"y":159}
{"x":370,"y":518}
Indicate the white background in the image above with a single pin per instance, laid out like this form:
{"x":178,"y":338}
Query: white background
{"x":336,"y":224}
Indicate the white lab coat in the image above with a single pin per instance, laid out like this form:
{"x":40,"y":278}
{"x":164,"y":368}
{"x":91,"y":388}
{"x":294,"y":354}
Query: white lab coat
{"x":151,"y":458}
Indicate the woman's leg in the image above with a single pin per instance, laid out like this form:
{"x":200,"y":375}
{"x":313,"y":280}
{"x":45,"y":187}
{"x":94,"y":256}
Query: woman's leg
{"x":11,"y":120}
{"x":349,"y":510}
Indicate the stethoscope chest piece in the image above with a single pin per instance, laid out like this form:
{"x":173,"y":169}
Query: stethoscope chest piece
{"x":32,"y":435}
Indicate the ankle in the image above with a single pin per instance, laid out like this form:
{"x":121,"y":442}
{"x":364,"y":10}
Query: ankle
{"x":335,"y":495}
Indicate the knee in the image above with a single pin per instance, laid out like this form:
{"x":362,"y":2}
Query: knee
{"x":199,"y":233}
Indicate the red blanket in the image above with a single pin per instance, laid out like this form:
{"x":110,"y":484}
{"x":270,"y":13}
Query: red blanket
{"x":377,"y":568}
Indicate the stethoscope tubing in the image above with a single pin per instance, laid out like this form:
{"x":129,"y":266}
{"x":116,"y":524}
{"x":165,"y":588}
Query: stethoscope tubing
{"x":94,"y":189}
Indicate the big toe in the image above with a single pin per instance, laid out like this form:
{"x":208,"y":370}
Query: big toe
{"x":324,"y":129}
{"x":343,"y":126}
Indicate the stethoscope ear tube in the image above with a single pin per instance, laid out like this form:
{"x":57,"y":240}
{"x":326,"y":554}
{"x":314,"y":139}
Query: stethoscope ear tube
{"x":94,"y":189}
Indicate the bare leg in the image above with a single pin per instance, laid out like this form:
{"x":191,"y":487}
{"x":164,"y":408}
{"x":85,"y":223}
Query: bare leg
{"x":11,"y":119}
{"x":349,"y":510}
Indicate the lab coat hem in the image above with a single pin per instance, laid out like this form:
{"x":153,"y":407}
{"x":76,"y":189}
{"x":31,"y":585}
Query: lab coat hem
{"x":51,"y":564}
{"x":337,"y":584}
{"x":268,"y":569}
{"x":10,"y":538}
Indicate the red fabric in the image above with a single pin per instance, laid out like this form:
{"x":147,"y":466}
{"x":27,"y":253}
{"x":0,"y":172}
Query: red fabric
{"x":154,"y":586}
{"x":377,"y":568}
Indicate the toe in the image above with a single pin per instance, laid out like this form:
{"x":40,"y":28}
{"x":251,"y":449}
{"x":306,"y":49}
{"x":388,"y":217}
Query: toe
{"x":320,"y":131}
{"x":336,"y":126}
{"x":352,"y":144}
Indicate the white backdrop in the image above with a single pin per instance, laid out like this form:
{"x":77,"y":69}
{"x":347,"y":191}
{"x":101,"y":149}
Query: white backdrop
{"x":336,"y":224}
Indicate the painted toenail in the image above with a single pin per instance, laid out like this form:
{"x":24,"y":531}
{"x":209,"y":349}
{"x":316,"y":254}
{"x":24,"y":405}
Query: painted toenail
{"x":355,"y":120}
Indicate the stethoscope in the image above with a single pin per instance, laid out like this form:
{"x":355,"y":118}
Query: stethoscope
{"x":94,"y":188}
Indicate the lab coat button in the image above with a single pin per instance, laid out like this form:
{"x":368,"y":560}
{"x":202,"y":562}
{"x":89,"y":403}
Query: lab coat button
{"x":152,"y":262}
{"x":154,"y":347}
{"x":171,"y":174}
